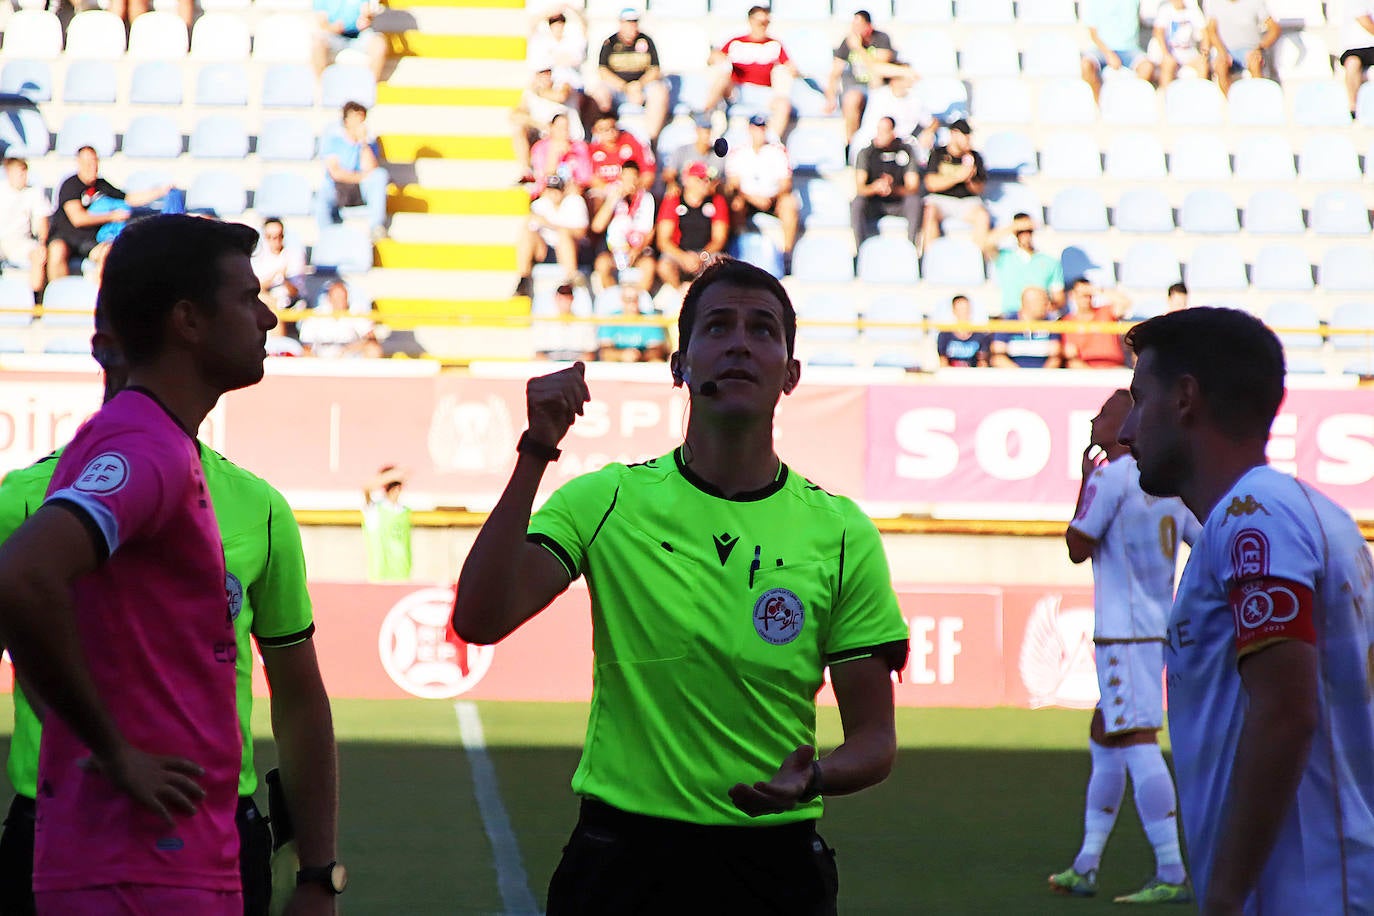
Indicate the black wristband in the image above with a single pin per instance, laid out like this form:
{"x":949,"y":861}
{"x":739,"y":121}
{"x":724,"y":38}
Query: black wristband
{"x":528,"y":446}
{"x":815,"y":785}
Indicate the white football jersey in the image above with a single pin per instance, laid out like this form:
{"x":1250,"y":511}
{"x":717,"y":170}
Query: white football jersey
{"x":1136,"y":552}
{"x":1267,"y":533}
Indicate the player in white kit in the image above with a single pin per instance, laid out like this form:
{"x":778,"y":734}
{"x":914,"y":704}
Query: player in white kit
{"x":1269,"y":639}
{"x":1132,"y":540}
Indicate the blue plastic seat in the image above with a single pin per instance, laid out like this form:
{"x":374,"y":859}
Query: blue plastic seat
{"x":347,"y":83}
{"x":1294,"y":314}
{"x":945,"y":96}
{"x":1149,"y":266}
{"x":86,"y":129}
{"x":899,"y":308}
{"x":1009,"y":152}
{"x":156,"y":82}
{"x":283,"y":194}
{"x":1208,"y":211}
{"x":1088,"y":259}
{"x":934,"y":49}
{"x":1006,"y":200}
{"x":1321,"y":104}
{"x":219,"y":137}
{"x":837,"y":311}
{"x":1282,"y":268}
{"x":1193,"y":103}
{"x":1255,"y":103}
{"x":950,"y":261}
{"x":1340,"y":212}
{"x":1364,"y":105}
{"x":758,"y":249}
{"x":23,"y":132}
{"x":1274,"y":211}
{"x":993,"y":55}
{"x":1001,"y":101}
{"x":286,"y":140}
{"x":1352,"y":316}
{"x":984,"y":12}
{"x":1199,"y":157}
{"x":342,"y":248}
{"x":923,"y":12}
{"x":823,"y":203}
{"x":219,"y":192}
{"x":817,"y":259}
{"x":16,"y":302}
{"x":1347,"y":268}
{"x":222,"y":84}
{"x":1072,"y":155}
{"x":29,"y":78}
{"x":1066,"y":102}
{"x":1078,"y":210}
{"x":1128,"y":101}
{"x":1215,"y":267}
{"x":288,"y":86}
{"x":1051,"y":54}
{"x":816,"y":148}
{"x":89,"y":82}
{"x":1329,"y":157}
{"x":1135,"y":156}
{"x":888,"y":259}
{"x":1144,"y":210}
{"x":1265,"y":157}
{"x":69,"y":302}
{"x":152,"y":137}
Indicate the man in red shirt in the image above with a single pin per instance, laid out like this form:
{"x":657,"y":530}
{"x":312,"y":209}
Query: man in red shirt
{"x":1085,"y":349}
{"x":611,"y":148}
{"x":758,"y":67}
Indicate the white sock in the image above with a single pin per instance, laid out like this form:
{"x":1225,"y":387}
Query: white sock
{"x":1106,"y":785}
{"x":1157,"y":804}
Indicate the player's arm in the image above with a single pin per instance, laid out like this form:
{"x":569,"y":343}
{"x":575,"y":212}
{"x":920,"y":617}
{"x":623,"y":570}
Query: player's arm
{"x":506,"y":580}
{"x":1081,"y":544}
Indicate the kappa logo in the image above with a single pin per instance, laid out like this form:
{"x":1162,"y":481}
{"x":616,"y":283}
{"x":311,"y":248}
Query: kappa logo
{"x":1250,"y":553}
{"x":1056,"y":661}
{"x":1241,"y":507}
{"x":724,"y":544}
{"x":779,"y":616}
{"x":422,"y":654}
{"x":105,"y":474}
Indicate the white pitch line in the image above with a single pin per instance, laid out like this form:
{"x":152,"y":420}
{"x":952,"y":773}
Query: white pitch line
{"x":510,"y":870}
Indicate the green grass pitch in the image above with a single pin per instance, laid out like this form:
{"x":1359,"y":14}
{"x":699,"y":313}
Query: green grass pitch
{"x":981,"y":807}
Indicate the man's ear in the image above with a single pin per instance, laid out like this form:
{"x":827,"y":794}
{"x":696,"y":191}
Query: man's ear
{"x":675,"y":366}
{"x":186,"y":321}
{"x":793,"y":376}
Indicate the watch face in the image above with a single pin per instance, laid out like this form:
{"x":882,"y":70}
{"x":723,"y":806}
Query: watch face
{"x":338,"y":878}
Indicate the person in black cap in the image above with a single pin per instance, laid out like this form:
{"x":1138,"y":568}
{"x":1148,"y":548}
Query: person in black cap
{"x":955,"y":179}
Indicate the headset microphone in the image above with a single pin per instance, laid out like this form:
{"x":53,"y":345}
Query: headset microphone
{"x":709,"y":389}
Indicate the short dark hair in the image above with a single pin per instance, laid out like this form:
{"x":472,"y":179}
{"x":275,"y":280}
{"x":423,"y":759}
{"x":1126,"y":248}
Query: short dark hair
{"x":605,"y":113}
{"x":82,"y":149}
{"x":1178,"y":288}
{"x":351,"y":105}
{"x":273,"y":219}
{"x":1077,"y":282}
{"x":157,"y":262}
{"x":1235,"y":358}
{"x":630,"y":164}
{"x":758,"y":8}
{"x":15,"y":160}
{"x":733,"y":272}
{"x":864,"y":15}
{"x":1016,"y":216}
{"x":957,"y":298}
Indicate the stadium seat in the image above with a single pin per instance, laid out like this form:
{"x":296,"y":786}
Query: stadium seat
{"x":817,"y":259}
{"x":1147,"y":308}
{"x":1255,"y":103}
{"x":288,"y":86}
{"x":1292,"y":314}
{"x":147,"y":180}
{"x":29,"y":78}
{"x":23,"y":132}
{"x":923,"y":12}
{"x":218,"y":191}
{"x":1006,"y":199}
{"x":32,"y":35}
{"x":220,"y":36}
{"x":1150,"y":266}
{"x":1066,"y":102}
{"x":1011,"y":153}
{"x":798,"y":10}
{"x":681,"y":9}
{"x":158,"y":36}
{"x":1199,"y":157}
{"x":89,"y":82}
{"x":1352,"y":316}
{"x":893,"y":309}
{"x":68,"y":345}
{"x":342,"y":248}
{"x":1215,"y":267}
{"x":1001,"y":101}
{"x":1135,"y":156}
{"x":1078,"y":210}
{"x":1129,"y":101}
{"x":816,"y":148}
{"x":69,"y":302}
{"x":1328,"y":157}
{"x":1193,"y":103}
{"x":823,"y":203}
{"x":950,"y":261}
{"x":838,"y":312}
{"x":284,"y":37}
{"x":945,"y":96}
{"x":1051,"y":54}
{"x":222,"y":84}
{"x":993,"y":55}
{"x":283,"y":194}
{"x":152,"y":137}
{"x":758,"y":249}
{"x":95,"y":35}
{"x":156,"y":82}
{"x":1088,"y":259}
{"x":1144,"y":210}
{"x":880,"y":10}
{"x":984,"y":12}
{"x":1300,"y":56}
{"x":934,"y":50}
{"x":16,"y":302}
{"x":1046,"y":12}
{"x":347,"y":83}
{"x":1072,"y":155}
{"x":1364,"y":105}
{"x":1208,"y":211}
{"x":1322,"y":104}
{"x":1282,"y":268}
{"x":1265,"y":157}
{"x":1340,"y":212}
{"x":219,"y":137}
{"x":811,"y":50}
{"x":1274,"y":211}
{"x":86,"y":129}
{"x":286,"y":140}
{"x":888,"y":259}
{"x":1347,"y":268}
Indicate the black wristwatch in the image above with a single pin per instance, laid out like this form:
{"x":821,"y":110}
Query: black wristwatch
{"x":529,"y":446}
{"x":333,"y":877}
{"x":815,"y":785}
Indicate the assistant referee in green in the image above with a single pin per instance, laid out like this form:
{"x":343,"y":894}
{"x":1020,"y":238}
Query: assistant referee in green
{"x":722,"y":584}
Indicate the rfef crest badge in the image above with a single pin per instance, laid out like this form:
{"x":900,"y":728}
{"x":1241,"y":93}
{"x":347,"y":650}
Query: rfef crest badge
{"x":233,"y":593}
{"x":421,"y":652}
{"x":779,"y":616}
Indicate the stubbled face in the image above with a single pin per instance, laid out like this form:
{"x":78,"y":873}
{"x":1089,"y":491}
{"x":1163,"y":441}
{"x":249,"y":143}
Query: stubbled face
{"x":1106,"y":426}
{"x":87,"y":165}
{"x":234,"y":347}
{"x":738,"y":341}
{"x":1153,"y":433}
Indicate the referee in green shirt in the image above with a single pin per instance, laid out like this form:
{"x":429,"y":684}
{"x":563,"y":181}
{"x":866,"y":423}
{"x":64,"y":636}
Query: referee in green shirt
{"x":723,"y":584}
{"x":266,"y":586}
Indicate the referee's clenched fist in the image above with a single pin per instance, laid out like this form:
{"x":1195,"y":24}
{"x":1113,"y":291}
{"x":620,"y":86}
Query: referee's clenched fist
{"x":554,"y":401}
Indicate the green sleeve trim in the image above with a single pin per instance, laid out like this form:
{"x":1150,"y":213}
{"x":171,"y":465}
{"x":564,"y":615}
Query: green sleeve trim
{"x":559,"y":553}
{"x":281,"y":642}
{"x":893,"y":653}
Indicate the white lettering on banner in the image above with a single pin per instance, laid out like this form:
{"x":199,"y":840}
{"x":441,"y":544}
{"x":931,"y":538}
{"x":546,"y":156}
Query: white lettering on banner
{"x":927,"y":451}
{"x":1348,"y":440}
{"x":36,"y":418}
{"x":1013,"y":444}
{"x":1282,"y":449}
{"x":637,"y":415}
{"x":945,"y":648}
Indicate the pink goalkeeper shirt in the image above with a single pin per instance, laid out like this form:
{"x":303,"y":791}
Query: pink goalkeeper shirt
{"x":153,"y":620}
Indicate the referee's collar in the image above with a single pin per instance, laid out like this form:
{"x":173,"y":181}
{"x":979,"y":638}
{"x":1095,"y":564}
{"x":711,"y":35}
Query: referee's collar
{"x":711,"y":489}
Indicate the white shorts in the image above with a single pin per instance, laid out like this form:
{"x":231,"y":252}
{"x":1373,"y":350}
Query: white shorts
{"x":1130,"y":678}
{"x":17,"y":250}
{"x":955,"y":207}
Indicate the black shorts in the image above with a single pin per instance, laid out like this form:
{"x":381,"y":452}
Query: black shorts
{"x":77,"y":246}
{"x":16,"y":858}
{"x":618,"y":864}
{"x":1364,"y":55}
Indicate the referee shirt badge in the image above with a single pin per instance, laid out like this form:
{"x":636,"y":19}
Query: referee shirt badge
{"x":779,"y":616}
{"x":233,"y":593}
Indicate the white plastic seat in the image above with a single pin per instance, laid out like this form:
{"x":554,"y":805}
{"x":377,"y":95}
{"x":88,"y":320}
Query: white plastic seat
{"x":1129,"y":101}
{"x":1255,"y":103}
{"x":284,"y":37}
{"x":220,"y":36}
{"x":1071,"y":155}
{"x":33,"y":35}
{"x":1135,"y":156}
{"x":158,"y":36}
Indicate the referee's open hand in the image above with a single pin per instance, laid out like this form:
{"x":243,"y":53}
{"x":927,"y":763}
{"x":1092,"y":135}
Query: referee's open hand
{"x":554,"y":402}
{"x":782,"y":792}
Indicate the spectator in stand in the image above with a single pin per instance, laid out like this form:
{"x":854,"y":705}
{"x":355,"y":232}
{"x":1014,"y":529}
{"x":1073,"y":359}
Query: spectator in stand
{"x":755,"y":67}
{"x":1029,"y":348}
{"x":555,"y":43}
{"x":1114,"y":28}
{"x":632,"y":343}
{"x":862,"y":60}
{"x":627,"y":71}
{"x":1100,"y":350}
{"x":1021,"y":265}
{"x":280,"y":269}
{"x":693,"y":225}
{"x":701,"y":149}
{"x":339,"y":327}
{"x":540,"y":105}
{"x":911,"y":118}
{"x":129,"y":10}
{"x":559,"y":339}
{"x":1239,"y":32}
{"x":559,"y":154}
{"x":1180,"y":30}
{"x":1178,"y":298}
{"x":1357,"y":40}
{"x":348,"y":24}
{"x":73,"y":229}
{"x":353,"y":173}
{"x":964,"y":347}
{"x":626,"y":218}
{"x":23,"y":223}
{"x":759,"y":180}
{"x":887,"y":181}
{"x":558,"y":226}
{"x":611,"y":148}
{"x":955,"y":179}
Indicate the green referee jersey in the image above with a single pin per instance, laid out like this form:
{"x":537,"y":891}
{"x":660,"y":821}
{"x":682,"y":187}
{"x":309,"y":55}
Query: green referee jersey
{"x":713,"y":620}
{"x":265,"y":583}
